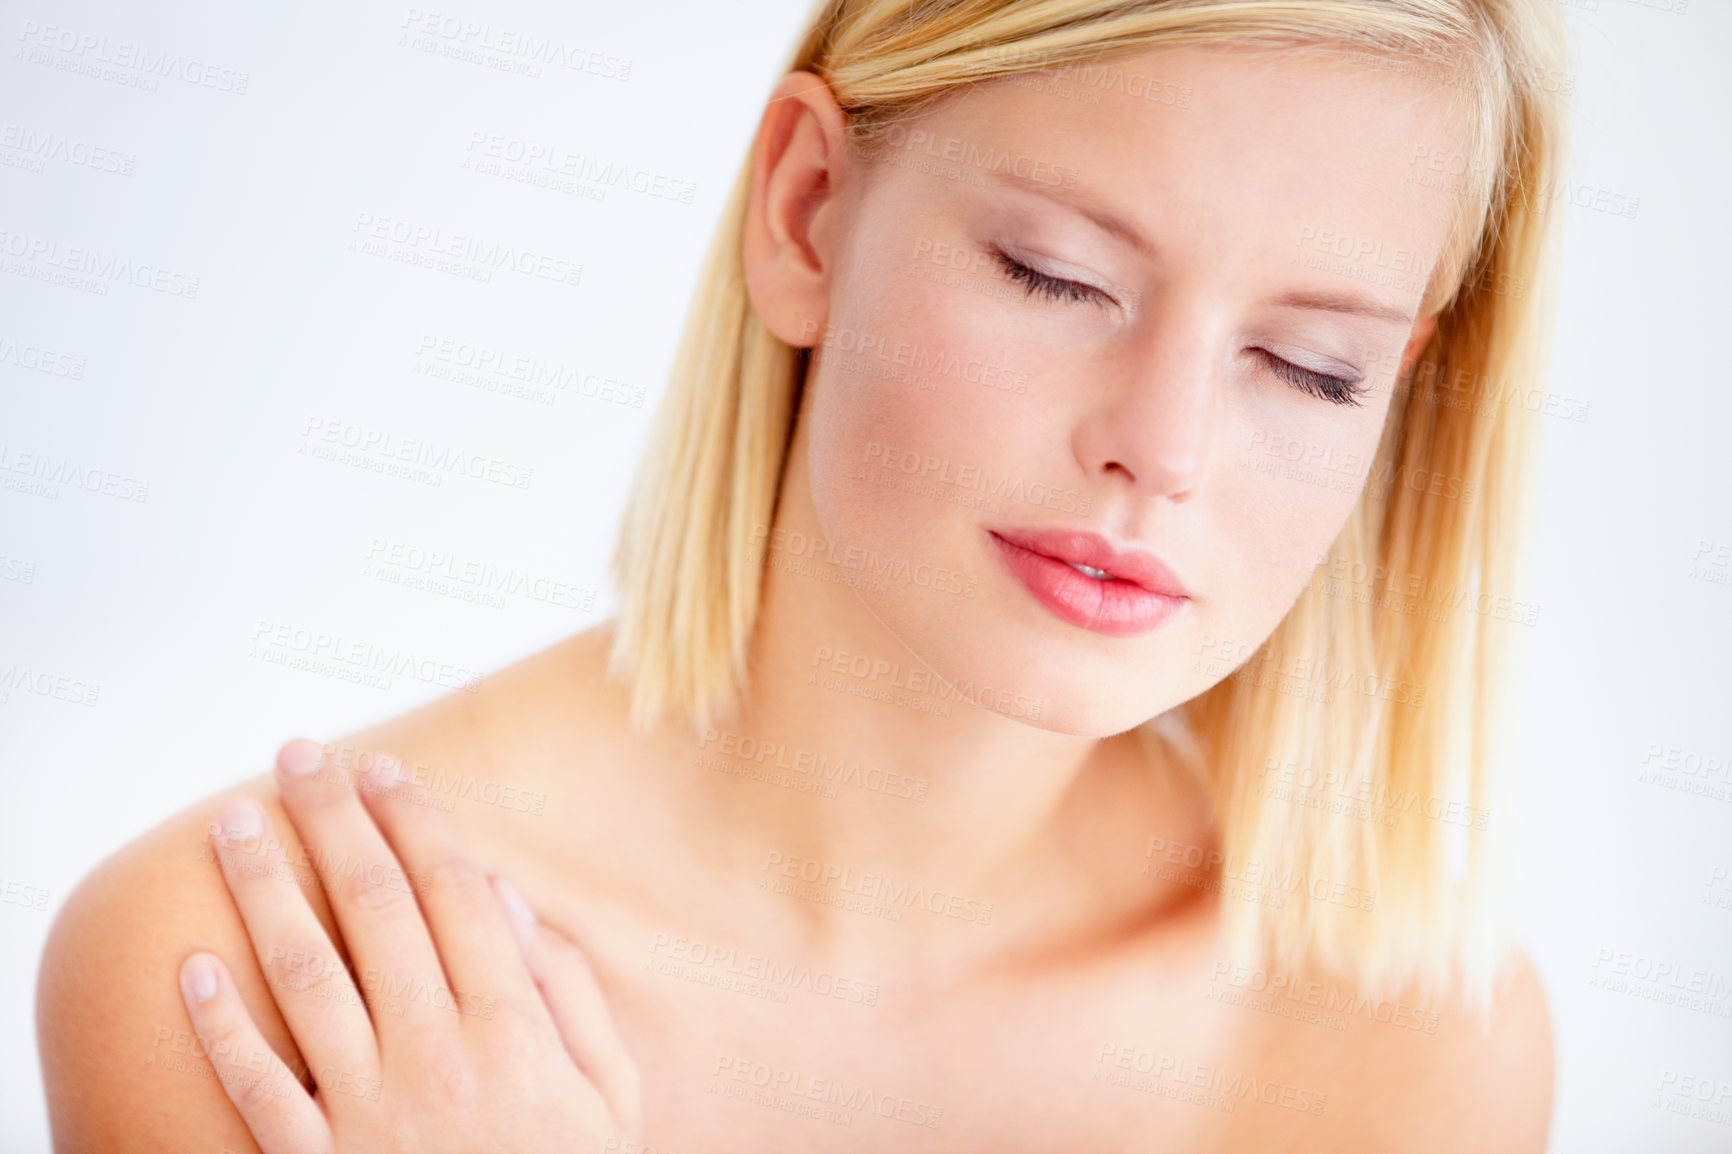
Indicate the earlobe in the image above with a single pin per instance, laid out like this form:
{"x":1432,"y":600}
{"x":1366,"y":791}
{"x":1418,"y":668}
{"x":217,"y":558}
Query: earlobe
{"x":798,"y":161}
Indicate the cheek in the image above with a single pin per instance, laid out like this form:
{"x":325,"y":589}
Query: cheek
{"x":1288,"y":484}
{"x":917,"y":414}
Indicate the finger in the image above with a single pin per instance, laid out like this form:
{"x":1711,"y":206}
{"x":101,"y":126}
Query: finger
{"x":371,"y":897}
{"x":307,"y":977}
{"x":469,"y":928}
{"x":579,"y":1010}
{"x":281,"y":1115}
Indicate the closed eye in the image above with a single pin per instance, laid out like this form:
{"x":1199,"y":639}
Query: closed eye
{"x":1339,"y":390}
{"x":1055,"y":288}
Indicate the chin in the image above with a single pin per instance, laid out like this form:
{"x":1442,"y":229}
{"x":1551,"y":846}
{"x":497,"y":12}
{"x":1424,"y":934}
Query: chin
{"x":1035,"y":680}
{"x":1098,"y":704}
{"x":1082,"y":718}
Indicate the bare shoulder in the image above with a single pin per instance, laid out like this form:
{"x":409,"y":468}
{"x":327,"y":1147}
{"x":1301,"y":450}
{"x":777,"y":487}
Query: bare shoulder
{"x":1462,"y":1080}
{"x":478,"y":750}
{"x":122,"y":1068}
{"x":121,"y":1065}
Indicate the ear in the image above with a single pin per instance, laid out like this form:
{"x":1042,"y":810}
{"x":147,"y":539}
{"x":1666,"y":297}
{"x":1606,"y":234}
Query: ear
{"x":1416,"y":343}
{"x":799,"y":164}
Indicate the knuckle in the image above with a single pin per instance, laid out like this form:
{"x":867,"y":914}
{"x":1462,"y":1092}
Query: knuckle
{"x":376,"y":889}
{"x":303,"y":970}
{"x":219,"y":1040}
{"x":453,"y":1075}
{"x":454,"y":871}
{"x":253,"y":1091}
{"x":326,"y":793}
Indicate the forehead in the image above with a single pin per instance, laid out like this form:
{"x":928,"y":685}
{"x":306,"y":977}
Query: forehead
{"x":1240,"y":152}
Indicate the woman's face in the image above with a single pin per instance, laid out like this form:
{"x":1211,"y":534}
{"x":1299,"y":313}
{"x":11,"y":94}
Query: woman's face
{"x":1160,"y":301}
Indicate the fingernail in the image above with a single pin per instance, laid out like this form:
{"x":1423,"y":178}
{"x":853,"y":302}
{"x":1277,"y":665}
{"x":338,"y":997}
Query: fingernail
{"x":514,"y":901}
{"x":239,"y":819}
{"x":300,"y":757}
{"x":198,"y":979}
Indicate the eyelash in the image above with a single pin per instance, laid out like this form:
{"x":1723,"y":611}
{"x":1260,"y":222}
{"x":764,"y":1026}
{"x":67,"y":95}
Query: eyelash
{"x":1337,"y":390}
{"x":1055,"y":288}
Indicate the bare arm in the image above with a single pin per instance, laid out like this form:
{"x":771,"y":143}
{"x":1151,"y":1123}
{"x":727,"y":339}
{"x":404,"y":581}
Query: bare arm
{"x":121,"y":1064}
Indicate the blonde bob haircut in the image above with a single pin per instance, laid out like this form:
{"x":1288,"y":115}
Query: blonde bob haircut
{"x":1357,"y":755}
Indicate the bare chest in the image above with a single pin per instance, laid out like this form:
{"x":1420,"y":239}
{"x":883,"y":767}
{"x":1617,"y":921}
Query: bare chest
{"x":744,"y":1050}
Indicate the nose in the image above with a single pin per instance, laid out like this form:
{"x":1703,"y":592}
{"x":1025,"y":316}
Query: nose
{"x":1151,"y":421}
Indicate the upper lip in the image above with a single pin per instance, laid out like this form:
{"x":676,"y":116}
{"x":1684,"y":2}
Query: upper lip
{"x":1080,"y":547}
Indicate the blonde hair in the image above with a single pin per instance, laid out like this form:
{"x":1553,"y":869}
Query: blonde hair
{"x":1427,"y":908}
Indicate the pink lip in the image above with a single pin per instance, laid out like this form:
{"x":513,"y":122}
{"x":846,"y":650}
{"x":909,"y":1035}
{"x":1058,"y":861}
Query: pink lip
{"x":1137,"y":594}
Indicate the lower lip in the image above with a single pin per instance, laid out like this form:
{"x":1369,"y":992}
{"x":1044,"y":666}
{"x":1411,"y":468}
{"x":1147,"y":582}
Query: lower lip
{"x":1111,"y":606}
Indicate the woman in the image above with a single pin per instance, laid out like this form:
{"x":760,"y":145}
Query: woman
{"x":1055,"y":695}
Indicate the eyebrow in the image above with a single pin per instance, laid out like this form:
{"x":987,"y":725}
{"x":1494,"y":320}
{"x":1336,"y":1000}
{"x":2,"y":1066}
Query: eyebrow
{"x":1350,"y":303}
{"x":1079,"y":201}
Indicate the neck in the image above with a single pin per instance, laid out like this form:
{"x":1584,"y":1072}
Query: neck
{"x":855,"y":781}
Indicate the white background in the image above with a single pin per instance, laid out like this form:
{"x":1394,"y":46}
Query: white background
{"x":154,"y":607}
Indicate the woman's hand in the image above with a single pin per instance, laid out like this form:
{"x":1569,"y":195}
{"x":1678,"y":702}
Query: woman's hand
{"x":480,"y":1028}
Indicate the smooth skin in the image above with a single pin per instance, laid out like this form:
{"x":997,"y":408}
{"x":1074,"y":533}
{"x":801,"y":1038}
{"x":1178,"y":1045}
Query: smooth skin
{"x":478,"y":1030}
{"x":746,"y":919}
